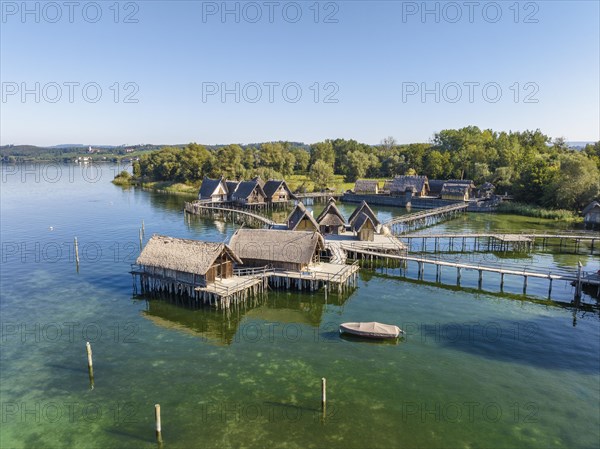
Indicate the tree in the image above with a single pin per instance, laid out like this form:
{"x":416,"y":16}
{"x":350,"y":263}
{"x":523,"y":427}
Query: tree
{"x":302,"y":158}
{"x":577,"y":182}
{"x":389,"y":143}
{"x":228,"y":162}
{"x":322,"y":151}
{"x":321,"y":174}
{"x":436,"y":164}
{"x":356,"y":164}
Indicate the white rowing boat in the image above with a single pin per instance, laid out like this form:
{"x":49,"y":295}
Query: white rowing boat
{"x":371,"y":330}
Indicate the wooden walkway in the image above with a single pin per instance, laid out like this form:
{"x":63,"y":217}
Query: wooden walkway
{"x":499,"y":241}
{"x":408,"y":223}
{"x":229,"y":213}
{"x":575,"y":278}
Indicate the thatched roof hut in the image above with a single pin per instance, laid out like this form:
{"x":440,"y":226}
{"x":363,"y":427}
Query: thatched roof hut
{"x":289,"y":250}
{"x":364,"y":227}
{"x":175,"y":258}
{"x":364,"y":208}
{"x":417,"y":185}
{"x":591,"y":214}
{"x":249,"y":192}
{"x":457,"y":192}
{"x":213,"y":189}
{"x":366,"y":186}
{"x":277,"y":191}
{"x":300,"y":219}
{"x":331,"y":220}
{"x":231,"y":188}
{"x":486,"y":190}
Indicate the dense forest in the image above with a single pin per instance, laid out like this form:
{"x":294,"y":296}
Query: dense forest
{"x":528,"y":165}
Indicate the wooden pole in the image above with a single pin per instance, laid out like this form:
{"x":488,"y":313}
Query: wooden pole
{"x":88,"y":350}
{"x":143,"y":228}
{"x":157,"y":420}
{"x":76,"y":252}
{"x":141,"y":240}
{"x":578,"y":285}
{"x":323,"y":393}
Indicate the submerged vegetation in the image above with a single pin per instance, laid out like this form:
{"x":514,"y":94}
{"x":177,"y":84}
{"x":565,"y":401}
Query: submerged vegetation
{"x":534,"y":169}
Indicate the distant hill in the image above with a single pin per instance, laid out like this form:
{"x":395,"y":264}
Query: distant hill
{"x":579,"y":145}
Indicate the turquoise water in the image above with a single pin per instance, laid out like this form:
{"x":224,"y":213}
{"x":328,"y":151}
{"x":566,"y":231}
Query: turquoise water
{"x":474,"y":369}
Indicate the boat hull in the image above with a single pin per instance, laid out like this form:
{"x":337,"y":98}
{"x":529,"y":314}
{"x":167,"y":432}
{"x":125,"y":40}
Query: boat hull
{"x":371,"y":330}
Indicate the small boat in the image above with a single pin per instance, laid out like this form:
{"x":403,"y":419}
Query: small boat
{"x":371,"y":330}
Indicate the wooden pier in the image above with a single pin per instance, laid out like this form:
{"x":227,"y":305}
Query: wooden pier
{"x":500,"y":241}
{"x":577,"y":278}
{"x":229,"y":213}
{"x":408,"y":223}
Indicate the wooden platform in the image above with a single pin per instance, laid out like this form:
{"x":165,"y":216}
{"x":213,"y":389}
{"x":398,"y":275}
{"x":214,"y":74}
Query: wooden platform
{"x":348,"y":243}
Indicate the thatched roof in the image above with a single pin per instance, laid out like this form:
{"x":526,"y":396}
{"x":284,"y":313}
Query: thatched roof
{"x":436,"y":185}
{"x":331,"y":215}
{"x":245,"y":189}
{"x":362,"y":219}
{"x":364,"y":207}
{"x":403,"y":183}
{"x":364,"y":185}
{"x":188,"y":256}
{"x":590,"y":207}
{"x":231,"y":186}
{"x":455,"y":189}
{"x":466,"y":182}
{"x":273,"y":185}
{"x":209,"y":186}
{"x":298,"y":214}
{"x":277,"y":245}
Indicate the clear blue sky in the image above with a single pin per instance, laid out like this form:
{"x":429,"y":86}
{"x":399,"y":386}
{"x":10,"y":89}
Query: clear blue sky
{"x":368,"y":56}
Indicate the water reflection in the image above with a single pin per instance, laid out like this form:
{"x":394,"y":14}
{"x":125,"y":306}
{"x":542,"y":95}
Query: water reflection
{"x":224,"y":327}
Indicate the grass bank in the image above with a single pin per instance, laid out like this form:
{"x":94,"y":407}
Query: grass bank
{"x":537,"y":212}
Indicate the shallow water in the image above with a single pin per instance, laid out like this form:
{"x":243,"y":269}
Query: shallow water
{"x":474,"y":369}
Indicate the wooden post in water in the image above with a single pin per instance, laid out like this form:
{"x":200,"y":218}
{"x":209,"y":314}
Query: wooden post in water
{"x":76,"y":254}
{"x":458,"y":276}
{"x":550,"y":286}
{"x":501,"y":282}
{"x":480,"y":279}
{"x":578,"y":284}
{"x":141,"y":240}
{"x":157,"y":420}
{"x":323,"y":394}
{"x":88,"y":350}
{"x":143,"y":228}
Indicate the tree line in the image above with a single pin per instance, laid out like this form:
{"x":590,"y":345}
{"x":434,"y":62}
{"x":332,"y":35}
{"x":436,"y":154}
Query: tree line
{"x":529,"y":165}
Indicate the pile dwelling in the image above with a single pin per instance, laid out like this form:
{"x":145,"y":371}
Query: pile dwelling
{"x":221,"y":274}
{"x":304,"y":253}
{"x":254,"y":193}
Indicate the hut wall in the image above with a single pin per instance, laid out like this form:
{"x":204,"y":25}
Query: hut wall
{"x":455,"y":196}
{"x":280,"y":195}
{"x":305,"y":225}
{"x":335,"y":230}
{"x":291,"y":266}
{"x":175,"y":275}
{"x":366,"y":234}
{"x":593,"y":217}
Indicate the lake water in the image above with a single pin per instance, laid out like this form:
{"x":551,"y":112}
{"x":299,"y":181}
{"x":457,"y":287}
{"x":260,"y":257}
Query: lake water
{"x":474,"y":370}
